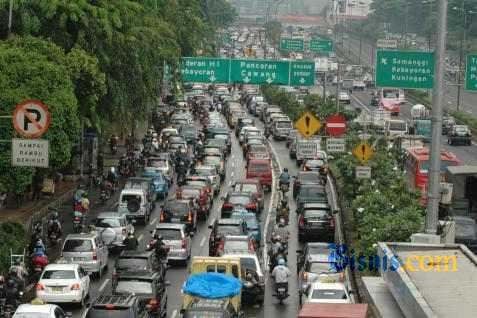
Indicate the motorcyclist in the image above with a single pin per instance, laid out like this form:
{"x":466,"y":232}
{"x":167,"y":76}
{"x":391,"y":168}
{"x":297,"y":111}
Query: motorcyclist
{"x":130,"y":242}
{"x":113,"y":143}
{"x":280,"y":274}
{"x":280,"y":232}
{"x":276,"y":249}
{"x":54,"y":225}
{"x":3,"y":287}
{"x":17,"y":274}
{"x":13,"y":293}
{"x":85,"y":203}
{"x":283,"y":210}
{"x":160,"y":248}
{"x":284,"y":178}
{"x":219,"y":107}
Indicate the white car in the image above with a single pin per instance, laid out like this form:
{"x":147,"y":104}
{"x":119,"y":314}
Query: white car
{"x":344,"y":98}
{"x":329,"y":293}
{"x":63,"y":283}
{"x":40,"y":311}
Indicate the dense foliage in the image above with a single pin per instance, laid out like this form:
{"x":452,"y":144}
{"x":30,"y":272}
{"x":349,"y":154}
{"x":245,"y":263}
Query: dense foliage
{"x":13,"y":238}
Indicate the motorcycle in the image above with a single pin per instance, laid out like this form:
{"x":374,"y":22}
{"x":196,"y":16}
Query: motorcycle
{"x":78,"y":222}
{"x":39,"y":263}
{"x":103,"y":196}
{"x":114,"y":149}
{"x":160,"y":255}
{"x":281,"y":292}
{"x":54,"y":232}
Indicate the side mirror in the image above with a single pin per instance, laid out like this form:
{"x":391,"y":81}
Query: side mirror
{"x":182,"y":311}
{"x":133,"y":221}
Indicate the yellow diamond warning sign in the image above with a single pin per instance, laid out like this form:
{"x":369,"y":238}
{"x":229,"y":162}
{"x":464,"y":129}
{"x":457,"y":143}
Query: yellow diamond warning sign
{"x":307,"y":125}
{"x":363,"y":152}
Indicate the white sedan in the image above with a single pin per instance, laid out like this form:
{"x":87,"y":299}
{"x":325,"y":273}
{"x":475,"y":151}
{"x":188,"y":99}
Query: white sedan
{"x":328,"y":293}
{"x":63,"y":283}
{"x":40,"y":311}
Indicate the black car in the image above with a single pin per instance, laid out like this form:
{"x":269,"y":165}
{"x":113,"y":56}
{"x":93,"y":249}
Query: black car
{"x":310,"y":193}
{"x":130,"y":261}
{"x":179,"y":211}
{"x":222,"y":227}
{"x":150,"y":289}
{"x":316,"y":221}
{"x":305,"y":177}
{"x":466,"y":232}
{"x":217,"y":308}
{"x":116,"y":306}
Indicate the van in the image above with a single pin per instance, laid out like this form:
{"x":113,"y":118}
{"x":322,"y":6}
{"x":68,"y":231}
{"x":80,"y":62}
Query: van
{"x":136,"y":204}
{"x":262,"y":170}
{"x":87,"y":250}
{"x":281,"y":129}
{"x":395,"y":128}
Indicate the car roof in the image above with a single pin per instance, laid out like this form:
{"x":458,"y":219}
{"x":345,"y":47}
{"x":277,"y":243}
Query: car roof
{"x":80,"y":236}
{"x":322,"y":285}
{"x":230,"y":221}
{"x":111,"y":215}
{"x":143,"y":275}
{"x":132,"y":191}
{"x":39,"y":309}
{"x":60,"y":266}
{"x":163,"y":226}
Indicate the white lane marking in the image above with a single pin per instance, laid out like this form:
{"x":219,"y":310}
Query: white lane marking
{"x":232,"y":174}
{"x":153,"y":221}
{"x":140,"y":237}
{"x":233,"y":164}
{"x":360,"y":103}
{"x":174,"y":313}
{"x":103,"y":285}
{"x":230,"y":183}
{"x":202,"y":241}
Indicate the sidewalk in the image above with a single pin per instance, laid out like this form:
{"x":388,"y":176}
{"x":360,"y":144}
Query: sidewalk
{"x":24,"y":213}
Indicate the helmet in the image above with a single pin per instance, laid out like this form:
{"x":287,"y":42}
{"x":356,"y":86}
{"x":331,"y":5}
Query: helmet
{"x":2,"y":279}
{"x":281,"y":222}
{"x":285,"y":169}
{"x":13,"y":271}
{"x":130,"y":233}
{"x":10,"y":283}
{"x":54,"y":215}
{"x":281,"y":261}
{"x":39,"y":244}
{"x":278,"y":238}
{"x":85,"y":195}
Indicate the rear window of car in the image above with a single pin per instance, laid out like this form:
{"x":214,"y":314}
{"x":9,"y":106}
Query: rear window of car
{"x":78,"y":245}
{"x":246,"y":187}
{"x":58,"y":274}
{"x":176,"y":207}
{"x":132,"y":264}
{"x":328,"y":294}
{"x":170,"y":234}
{"x":129,"y":197}
{"x":190,"y":193}
{"x":238,"y":199}
{"x":312,"y":191}
{"x":231,"y":246}
{"x":257,"y":148}
{"x":108,"y":222}
{"x":308,"y":177}
{"x":316,"y":214}
{"x":108,"y":313}
{"x":258,"y":167}
{"x":134,"y":286}
{"x":229,"y":230}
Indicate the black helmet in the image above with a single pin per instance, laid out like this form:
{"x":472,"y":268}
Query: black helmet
{"x":285,"y":169}
{"x":10,"y":283}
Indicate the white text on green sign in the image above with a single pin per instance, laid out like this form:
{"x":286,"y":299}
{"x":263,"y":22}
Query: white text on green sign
{"x":471,"y":73}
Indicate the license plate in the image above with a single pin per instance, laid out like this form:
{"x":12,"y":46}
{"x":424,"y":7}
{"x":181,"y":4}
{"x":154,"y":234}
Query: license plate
{"x":175,"y":220}
{"x":281,"y":290}
{"x":57,"y":289}
{"x":78,"y":258}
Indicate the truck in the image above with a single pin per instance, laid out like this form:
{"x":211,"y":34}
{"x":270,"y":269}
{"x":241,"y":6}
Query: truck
{"x":379,"y":117}
{"x":307,"y":149}
{"x":459,"y":192}
{"x":208,"y":264}
{"x":330,"y":310}
{"x":420,"y":123}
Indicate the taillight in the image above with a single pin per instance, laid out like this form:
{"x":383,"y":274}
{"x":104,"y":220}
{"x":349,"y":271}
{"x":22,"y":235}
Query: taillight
{"x":305,"y":276}
{"x":184,"y":243}
{"x":77,"y":218}
{"x":152,"y":304}
{"x":162,"y":216}
{"x":332,"y":222}
{"x":95,"y":255}
{"x":251,"y":206}
{"x":75,"y":287}
{"x":227,"y":206}
{"x":109,"y":306}
{"x":301,"y":221}
{"x":189,"y":217}
{"x":39,"y":287}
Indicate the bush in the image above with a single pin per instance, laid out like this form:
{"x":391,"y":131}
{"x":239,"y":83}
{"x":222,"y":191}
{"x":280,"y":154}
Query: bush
{"x":13,"y":238}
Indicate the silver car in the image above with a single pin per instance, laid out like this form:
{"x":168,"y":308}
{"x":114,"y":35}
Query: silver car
{"x":176,"y":238}
{"x":113,"y":228}
{"x":210,"y":172}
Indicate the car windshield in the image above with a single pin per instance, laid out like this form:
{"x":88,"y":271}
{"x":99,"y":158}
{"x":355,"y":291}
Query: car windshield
{"x":190,"y":193}
{"x":322,"y":267}
{"x":328,"y":294}
{"x":58,"y":274}
{"x":461,"y":129}
{"x":239,"y":199}
{"x":284,"y":124}
{"x":312,"y":191}
{"x":132,"y":264}
{"x":229,"y":230}
{"x":136,"y":287}
{"x":465,"y":229}
{"x":177,"y":208}
{"x":73,"y":245}
{"x":170,"y":234}
{"x":258,"y":167}
{"x":246,"y":187}
{"x":316,"y":214}
{"x":108,"y":222}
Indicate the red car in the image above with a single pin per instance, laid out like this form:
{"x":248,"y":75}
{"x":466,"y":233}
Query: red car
{"x":238,"y":199}
{"x":260,"y":169}
{"x":198,"y":192}
{"x":254,"y":187}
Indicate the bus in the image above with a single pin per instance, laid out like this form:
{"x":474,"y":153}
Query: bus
{"x":391,"y":99}
{"x":417,"y":167}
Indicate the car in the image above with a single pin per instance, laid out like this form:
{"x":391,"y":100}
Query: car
{"x":150,"y":289}
{"x":254,"y":131}
{"x":227,"y":139}
{"x":343,"y":97}
{"x":447,"y":123}
{"x":252,"y":141}
{"x":218,"y":162}
{"x":87,"y":250}
{"x":250,"y":263}
{"x":210,"y":172}
{"x":190,"y":134}
{"x":257,"y":152}
{"x":179,"y":211}
{"x":254,"y":187}
{"x":222,"y":227}
{"x":138,"y":205}
{"x":117,"y":306}
{"x":243,"y":122}
{"x":161,"y":186}
{"x":313,"y":165}
{"x":40,"y":311}
{"x":281,"y":128}
{"x":63,"y":283}
{"x":327,"y":293}
{"x":466,"y":232}
{"x":176,"y":238}
{"x":251,"y":221}
{"x":310,"y":193}
{"x":211,"y":150}
{"x":316,"y":221}
{"x":218,"y":143}
{"x":161,"y":164}
{"x":260,"y":169}
{"x":239,"y":199}
{"x":200,"y":195}
{"x":303,"y":178}
{"x":291,"y":135}
{"x":134,"y":261}
{"x":113,"y":228}
{"x":459,"y":134}
{"x":203,"y":307}
{"x":202,"y":181}
{"x":236,"y":244}
{"x":312,"y":249}
{"x":145,"y":183}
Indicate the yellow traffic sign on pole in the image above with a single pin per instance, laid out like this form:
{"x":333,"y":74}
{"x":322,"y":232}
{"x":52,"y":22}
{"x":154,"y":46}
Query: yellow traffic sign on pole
{"x":307,"y":125}
{"x":363,"y":152}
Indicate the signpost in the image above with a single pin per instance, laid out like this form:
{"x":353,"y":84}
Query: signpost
{"x":302,"y":73}
{"x":405,"y":69}
{"x":205,"y":70}
{"x":471,"y":73}
{"x":387,"y":43}
{"x":307,"y":125}
{"x":363,"y":172}
{"x":289,"y":44}
{"x":321,"y":46}
{"x":259,"y":71}
{"x":334,"y":145}
{"x":30,"y":152}
{"x":336,"y":125}
{"x":363,"y":152}
{"x":31,"y":118}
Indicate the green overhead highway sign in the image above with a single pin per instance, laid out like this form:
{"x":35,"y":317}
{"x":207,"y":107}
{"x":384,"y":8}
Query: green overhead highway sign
{"x":321,"y":45}
{"x":471,"y":73}
{"x":205,"y":70}
{"x":248,"y":71}
{"x":405,"y":69}
{"x":289,"y":44}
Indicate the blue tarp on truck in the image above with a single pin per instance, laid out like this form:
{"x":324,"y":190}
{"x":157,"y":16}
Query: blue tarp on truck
{"x":212,"y":285}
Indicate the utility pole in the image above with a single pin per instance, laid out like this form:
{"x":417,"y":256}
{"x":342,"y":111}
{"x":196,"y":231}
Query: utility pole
{"x":434,"y":193}
{"x":324,"y":85}
{"x":338,"y":89}
{"x":10,"y":17}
